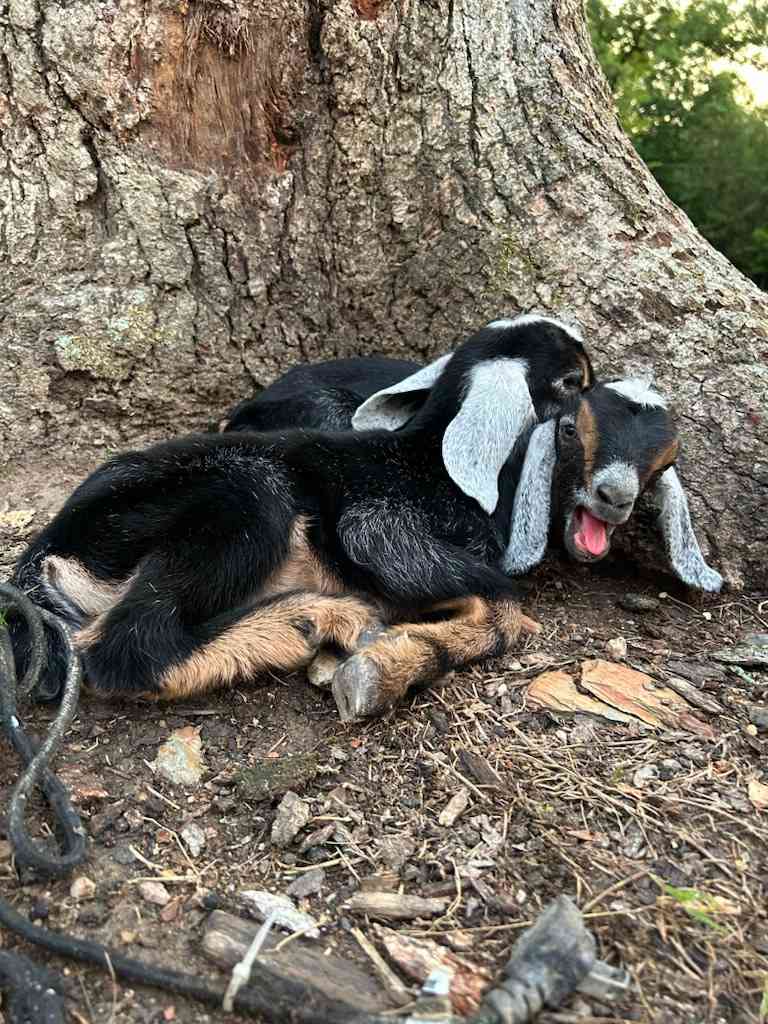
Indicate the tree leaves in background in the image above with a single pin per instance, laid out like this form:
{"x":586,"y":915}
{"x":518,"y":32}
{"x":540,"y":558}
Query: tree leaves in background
{"x":706,"y":147}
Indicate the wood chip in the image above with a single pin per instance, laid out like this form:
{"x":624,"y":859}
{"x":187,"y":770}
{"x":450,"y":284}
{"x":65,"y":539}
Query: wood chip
{"x":479,"y":769}
{"x":227,"y":939}
{"x":393,"y":986}
{"x":418,"y":957}
{"x":454,"y":808}
{"x":694,"y":695}
{"x":382,"y":881}
{"x":392,"y":906}
{"x":557,"y":691}
{"x":635,"y":693}
{"x":758,"y":794}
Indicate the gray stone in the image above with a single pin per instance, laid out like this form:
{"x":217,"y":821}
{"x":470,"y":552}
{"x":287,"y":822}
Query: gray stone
{"x":638,"y":603}
{"x":309,"y":883}
{"x":758,"y":716}
{"x":292,"y":815}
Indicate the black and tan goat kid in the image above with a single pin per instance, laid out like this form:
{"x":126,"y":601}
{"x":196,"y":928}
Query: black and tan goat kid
{"x":216,"y":557}
{"x":607,"y":453}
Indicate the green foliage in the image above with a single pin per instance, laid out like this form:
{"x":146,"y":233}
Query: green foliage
{"x":705,"y":146}
{"x":696,"y":904}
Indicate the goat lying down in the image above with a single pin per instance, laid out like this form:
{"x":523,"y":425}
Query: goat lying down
{"x":625,"y":438}
{"x":216,"y":557}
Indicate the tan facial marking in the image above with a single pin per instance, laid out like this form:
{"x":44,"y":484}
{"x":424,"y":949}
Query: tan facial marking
{"x":664,"y":458}
{"x":586,"y":427}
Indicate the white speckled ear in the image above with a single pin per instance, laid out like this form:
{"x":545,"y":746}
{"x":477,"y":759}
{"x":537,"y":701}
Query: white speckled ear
{"x":682,"y":547}
{"x":530,"y":514}
{"x":497,"y":407}
{"x":389,"y":408}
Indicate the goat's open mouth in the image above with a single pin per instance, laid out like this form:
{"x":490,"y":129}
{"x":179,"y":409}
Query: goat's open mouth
{"x":590,"y":537}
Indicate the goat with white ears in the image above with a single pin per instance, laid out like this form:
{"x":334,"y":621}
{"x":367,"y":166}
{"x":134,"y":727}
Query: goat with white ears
{"x":214,"y":558}
{"x":573,"y":480}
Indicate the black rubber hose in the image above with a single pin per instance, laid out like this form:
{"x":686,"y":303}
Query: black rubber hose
{"x":35,"y":992}
{"x":36,"y":772}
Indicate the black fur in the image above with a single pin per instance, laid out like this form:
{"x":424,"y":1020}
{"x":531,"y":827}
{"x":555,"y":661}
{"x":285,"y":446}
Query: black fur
{"x":194,"y":527}
{"x":322,"y":396}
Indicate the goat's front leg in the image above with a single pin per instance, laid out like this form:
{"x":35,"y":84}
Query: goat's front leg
{"x":407,"y":655}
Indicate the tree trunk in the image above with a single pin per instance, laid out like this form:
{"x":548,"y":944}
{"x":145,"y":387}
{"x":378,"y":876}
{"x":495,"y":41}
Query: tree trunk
{"x":198,"y":194}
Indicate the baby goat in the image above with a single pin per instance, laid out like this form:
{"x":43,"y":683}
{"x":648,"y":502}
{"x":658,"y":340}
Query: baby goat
{"x":217,"y":557}
{"x":605,"y":457}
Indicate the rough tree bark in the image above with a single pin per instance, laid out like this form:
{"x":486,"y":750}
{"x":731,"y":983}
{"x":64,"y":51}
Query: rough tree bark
{"x":198,"y":193}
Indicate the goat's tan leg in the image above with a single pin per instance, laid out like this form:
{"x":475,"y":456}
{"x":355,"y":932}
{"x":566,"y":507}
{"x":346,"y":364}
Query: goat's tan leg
{"x":283,"y":634}
{"x":417,"y":654}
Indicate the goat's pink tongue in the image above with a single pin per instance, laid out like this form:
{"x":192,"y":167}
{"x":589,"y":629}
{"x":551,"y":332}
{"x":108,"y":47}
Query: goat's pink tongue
{"x":591,"y":535}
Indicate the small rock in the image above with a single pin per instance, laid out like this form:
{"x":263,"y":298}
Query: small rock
{"x":338,"y":754}
{"x":179,"y":759}
{"x":634,"y":842}
{"x":93,"y":914}
{"x":6,"y":850}
{"x":644,"y":775}
{"x":123,"y":854}
{"x":82,"y":888}
{"x":638,"y":603}
{"x":454,"y":808}
{"x":271,"y":777}
{"x":670,"y":767}
{"x":154,"y":892}
{"x":292,"y":815}
{"x":194,"y":837}
{"x":286,"y":914}
{"x":617,"y":648}
{"x":310,"y":883}
{"x":40,"y":909}
{"x":758,"y":716}
{"x":395,"y":851}
{"x":694,"y":753}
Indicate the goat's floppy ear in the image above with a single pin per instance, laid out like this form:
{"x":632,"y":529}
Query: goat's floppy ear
{"x":683,"y":549}
{"x":496,"y":408}
{"x":390,"y":408}
{"x":531,"y":511}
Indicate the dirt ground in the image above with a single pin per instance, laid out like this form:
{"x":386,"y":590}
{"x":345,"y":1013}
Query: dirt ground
{"x":618,"y":816}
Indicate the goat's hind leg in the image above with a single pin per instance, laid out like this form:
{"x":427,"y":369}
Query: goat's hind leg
{"x":282,"y":633}
{"x":417,"y":654}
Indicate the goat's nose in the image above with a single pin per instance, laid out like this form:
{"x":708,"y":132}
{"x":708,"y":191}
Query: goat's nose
{"x":615,"y":496}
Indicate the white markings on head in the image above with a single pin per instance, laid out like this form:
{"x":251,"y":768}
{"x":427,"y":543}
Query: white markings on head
{"x":638,"y":391}
{"x":619,"y":483}
{"x":533,"y":319}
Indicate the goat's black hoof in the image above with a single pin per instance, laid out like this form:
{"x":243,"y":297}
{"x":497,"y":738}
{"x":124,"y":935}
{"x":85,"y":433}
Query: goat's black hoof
{"x":357,"y":689}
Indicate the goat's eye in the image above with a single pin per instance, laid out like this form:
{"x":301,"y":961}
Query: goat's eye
{"x":572,"y":382}
{"x":568,"y":430}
